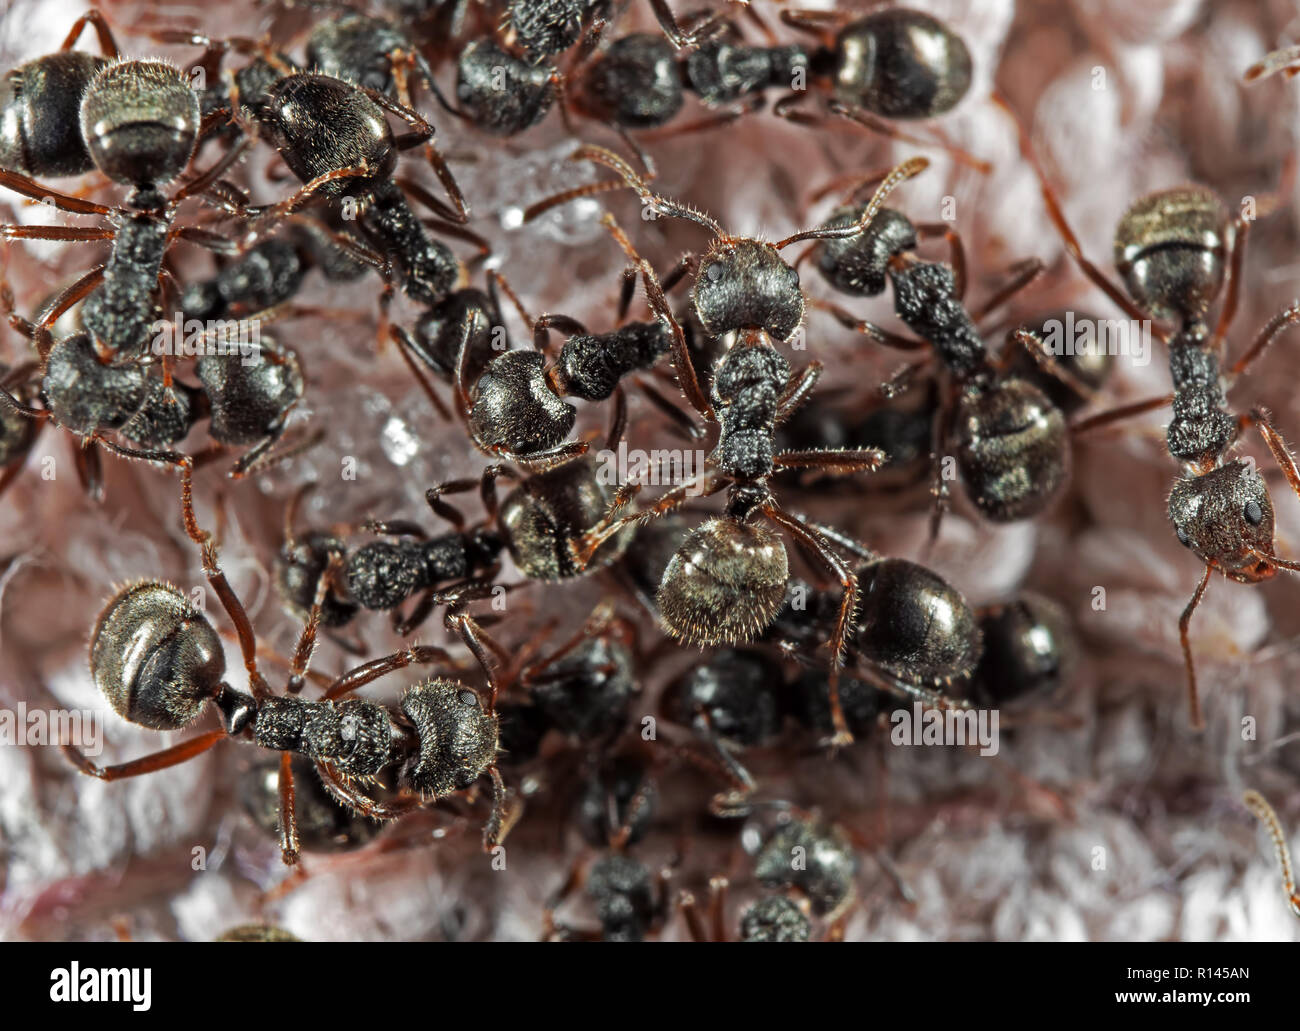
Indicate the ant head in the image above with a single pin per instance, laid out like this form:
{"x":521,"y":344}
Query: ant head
{"x":156,"y":658}
{"x":250,"y":397}
{"x":746,"y":284}
{"x":37,"y":136}
{"x":140,"y":121}
{"x":297,"y":570}
{"x":725,"y":584}
{"x":913,"y":624}
{"x":515,"y":409}
{"x":636,"y":83}
{"x":586,"y":693}
{"x":901,"y":64}
{"x":320,"y":124}
{"x":1226,"y":517}
{"x":736,"y":694}
{"x":546,"y":515}
{"x":1013,"y":449}
{"x":1170,"y":249}
{"x":860,"y":264}
{"x":458,"y":738}
{"x":618,"y":798}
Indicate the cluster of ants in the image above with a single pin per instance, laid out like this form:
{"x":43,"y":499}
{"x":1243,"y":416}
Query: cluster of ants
{"x":868,"y":628}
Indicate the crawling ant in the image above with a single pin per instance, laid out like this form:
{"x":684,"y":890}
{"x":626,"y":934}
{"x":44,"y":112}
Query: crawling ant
{"x":630,"y":901}
{"x":1010,"y":441}
{"x":727,"y":581}
{"x":159,"y":662}
{"x":1174,"y":249}
{"x":40,"y":133}
{"x":140,"y":123}
{"x":1262,"y":811}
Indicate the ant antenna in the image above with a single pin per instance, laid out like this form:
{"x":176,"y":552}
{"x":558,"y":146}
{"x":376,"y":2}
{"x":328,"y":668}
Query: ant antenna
{"x":1264,"y":812}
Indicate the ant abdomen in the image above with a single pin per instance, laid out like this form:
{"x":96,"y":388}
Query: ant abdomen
{"x":155,"y":657}
{"x":725,"y":584}
{"x":165,"y":416}
{"x":84,"y":394}
{"x":775,"y":918}
{"x":901,"y":64}
{"x":39,"y":133}
{"x":1170,"y":247}
{"x":1013,"y":448}
{"x":514,"y":409}
{"x":458,"y":738}
{"x":140,"y":121}
{"x":591,"y":366}
{"x":914,"y":625}
{"x":1029,"y":649}
{"x":250,"y":395}
{"x":297,"y":569}
{"x":353,"y":735}
{"x":635,"y":83}
{"x":440,"y":330}
{"x":323,"y":824}
{"x":502,"y":94}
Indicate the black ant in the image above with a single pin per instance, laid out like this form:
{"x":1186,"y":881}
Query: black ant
{"x":1174,"y":250}
{"x":40,"y":131}
{"x":1010,"y":441}
{"x":140,"y":122}
{"x":159,"y":662}
{"x":727,"y":581}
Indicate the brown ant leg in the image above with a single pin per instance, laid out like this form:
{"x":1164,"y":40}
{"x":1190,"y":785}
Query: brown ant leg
{"x":406,"y":348}
{"x":586,"y":546}
{"x":700,"y":31}
{"x":29,"y":187}
{"x":880,"y":127}
{"x":1037,"y":349}
{"x":351,"y":797}
{"x":844,"y":626}
{"x":99,"y":23}
{"x":1267,"y":335}
{"x":817,"y":23}
{"x":1184,"y":622}
{"x":355,"y":679}
{"x":1236,"y":258}
{"x":1114,"y":415}
{"x":479,"y":643}
{"x":1021,"y":275}
{"x":290,"y":846}
{"x":797,"y":391}
{"x":690,"y":913}
{"x":302,"y":654}
{"x":459,"y":210}
{"x":1263,"y":812}
{"x":1262,"y":420}
{"x":1285,"y":61}
{"x":1057,"y":214}
{"x":173,"y":756}
{"x":943,"y":428}
{"x":882,"y":336}
{"x":65,"y":234}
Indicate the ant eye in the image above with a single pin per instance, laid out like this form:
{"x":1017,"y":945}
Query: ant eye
{"x":714,"y":272}
{"x":1253,"y":513}
{"x":1184,"y":538}
{"x":469,"y":697}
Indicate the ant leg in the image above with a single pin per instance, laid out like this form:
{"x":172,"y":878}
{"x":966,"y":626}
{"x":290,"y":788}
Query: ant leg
{"x":99,"y":23}
{"x":173,"y":756}
{"x":204,"y":238}
{"x":29,"y":187}
{"x":422,"y":135}
{"x":548,"y":321}
{"x":1266,"y":336}
{"x":59,"y":304}
{"x":883,"y":128}
{"x":65,"y":234}
{"x":1262,"y":420}
{"x":276,"y":212}
{"x":1057,"y":214}
{"x":617,"y":419}
{"x":718,"y":907}
{"x":659,"y":308}
{"x":700,"y":31}
{"x":595,"y":624}
{"x":1022,"y":274}
{"x":844,"y":623}
{"x":576,"y":878}
{"x":703,"y":485}
{"x":502,"y":818}
{"x":1263,"y":812}
{"x":350,"y":797}
{"x":1236,"y":258}
{"x":956,"y":251}
{"x":721,"y":762}
{"x":205,"y":179}
{"x":406,"y":348}
{"x":682,"y":423}
{"x":289,"y":843}
{"x":264,"y":452}
{"x":836,"y":461}
{"x":302,"y":654}
{"x":797,"y":391}
{"x":908,"y":169}
{"x":882,"y":336}
{"x":690,"y":913}
{"x":717,"y":120}
{"x":904,"y":377}
{"x":404,"y":626}
{"x":1184,"y":622}
{"x":479,"y":643}
{"x":1037,"y":349}
{"x":359,"y":676}
{"x":817,"y":23}
{"x":1113,"y":415}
